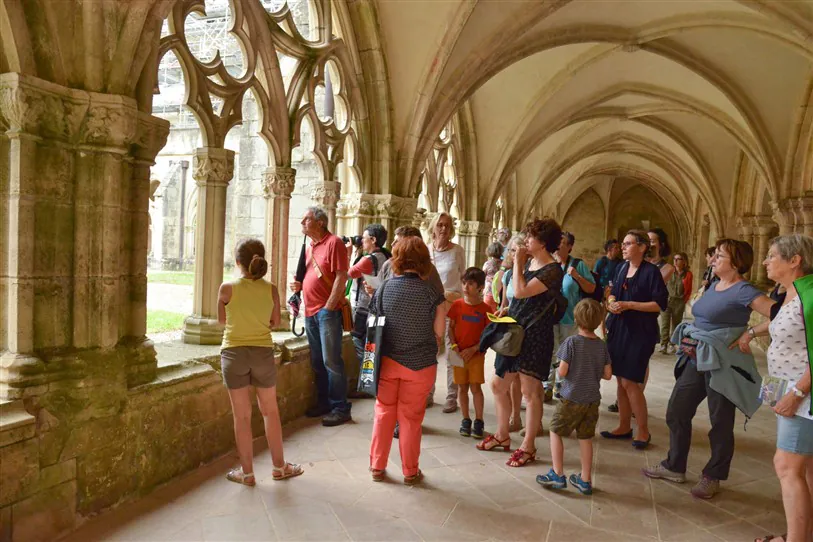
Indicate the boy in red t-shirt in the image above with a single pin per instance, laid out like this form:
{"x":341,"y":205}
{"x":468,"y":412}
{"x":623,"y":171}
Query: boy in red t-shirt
{"x":467,"y":320}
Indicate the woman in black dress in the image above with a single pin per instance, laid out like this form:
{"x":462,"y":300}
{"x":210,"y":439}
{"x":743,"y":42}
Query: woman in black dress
{"x":537,"y":288}
{"x":637,"y":298}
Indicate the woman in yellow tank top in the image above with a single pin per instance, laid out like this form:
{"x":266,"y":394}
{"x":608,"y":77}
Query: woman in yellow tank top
{"x":249,"y":308}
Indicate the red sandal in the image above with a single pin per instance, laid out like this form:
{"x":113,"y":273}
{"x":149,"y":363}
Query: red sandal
{"x":491,"y":442}
{"x":520,"y":458}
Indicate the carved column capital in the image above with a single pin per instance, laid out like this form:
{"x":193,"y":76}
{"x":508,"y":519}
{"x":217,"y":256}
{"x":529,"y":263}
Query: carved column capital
{"x":279,"y":182}
{"x":326,"y":193}
{"x":803,"y":211}
{"x":762,"y":225}
{"x":746,"y":227}
{"x":784,"y":216}
{"x":213,"y":166}
{"x":474,"y":228}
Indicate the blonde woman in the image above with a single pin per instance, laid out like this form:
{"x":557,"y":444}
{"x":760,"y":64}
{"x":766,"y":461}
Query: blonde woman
{"x":450,"y":261}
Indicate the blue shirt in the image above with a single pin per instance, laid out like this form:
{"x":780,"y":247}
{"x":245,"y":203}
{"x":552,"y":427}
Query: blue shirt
{"x":728,"y":308}
{"x":571,"y":290}
{"x":605,"y":268}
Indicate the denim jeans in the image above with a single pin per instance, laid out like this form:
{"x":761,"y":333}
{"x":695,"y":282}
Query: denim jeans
{"x":324,"y":330}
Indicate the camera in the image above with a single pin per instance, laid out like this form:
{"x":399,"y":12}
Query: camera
{"x":355,"y":240}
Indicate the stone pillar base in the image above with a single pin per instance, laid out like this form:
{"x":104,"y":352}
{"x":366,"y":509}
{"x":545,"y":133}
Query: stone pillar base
{"x":197,"y":330}
{"x":21,"y":376}
{"x":285,"y":320}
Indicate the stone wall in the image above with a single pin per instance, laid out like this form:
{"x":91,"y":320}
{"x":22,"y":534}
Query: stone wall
{"x":586,"y":220}
{"x":88,"y":444}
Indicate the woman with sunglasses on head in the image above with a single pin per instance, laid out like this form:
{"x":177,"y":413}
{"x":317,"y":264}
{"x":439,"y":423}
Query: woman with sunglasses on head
{"x":711,"y":367}
{"x":637,"y":297}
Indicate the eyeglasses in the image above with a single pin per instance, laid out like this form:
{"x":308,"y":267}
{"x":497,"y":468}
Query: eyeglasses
{"x":626,"y":244}
{"x":721,"y":256}
{"x":678,"y":258}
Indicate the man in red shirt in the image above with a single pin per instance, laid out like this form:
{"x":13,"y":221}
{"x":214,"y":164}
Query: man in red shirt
{"x":323,"y":291}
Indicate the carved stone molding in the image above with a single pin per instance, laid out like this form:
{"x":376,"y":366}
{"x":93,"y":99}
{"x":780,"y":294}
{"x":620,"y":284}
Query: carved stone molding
{"x":382,"y":206}
{"x":474,"y":227}
{"x":326,"y":193}
{"x":279,"y":182}
{"x":803,"y":211}
{"x":43,"y":109}
{"x":762,"y":225}
{"x":213,"y":166}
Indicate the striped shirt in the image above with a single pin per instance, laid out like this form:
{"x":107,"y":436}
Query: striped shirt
{"x":586,"y":359}
{"x":409,"y":305}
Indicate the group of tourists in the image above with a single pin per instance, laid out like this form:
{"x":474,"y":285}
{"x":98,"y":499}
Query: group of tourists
{"x":579,"y":326}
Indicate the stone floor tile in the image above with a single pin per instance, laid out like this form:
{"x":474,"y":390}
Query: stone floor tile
{"x":673,"y":528}
{"x":738,"y":531}
{"x":569,"y":532}
{"x":396,"y":530}
{"x":315,"y":521}
{"x":405,"y":502}
{"x":496,"y":524}
{"x":238,"y":527}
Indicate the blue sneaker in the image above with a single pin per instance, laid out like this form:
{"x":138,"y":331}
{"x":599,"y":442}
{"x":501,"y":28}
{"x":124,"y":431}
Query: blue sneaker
{"x":551,"y":480}
{"x":585,"y":488}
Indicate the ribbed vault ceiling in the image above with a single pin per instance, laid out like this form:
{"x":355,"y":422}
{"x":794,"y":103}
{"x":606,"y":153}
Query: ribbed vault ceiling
{"x":566,"y":95}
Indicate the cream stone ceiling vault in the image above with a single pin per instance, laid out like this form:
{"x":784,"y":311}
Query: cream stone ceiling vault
{"x":678,"y":95}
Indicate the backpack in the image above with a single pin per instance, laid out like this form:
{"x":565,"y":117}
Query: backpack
{"x":598,"y":292}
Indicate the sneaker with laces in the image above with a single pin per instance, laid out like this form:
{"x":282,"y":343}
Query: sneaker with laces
{"x":585,"y":488}
{"x":551,"y":480}
{"x":478,"y":429}
{"x":659,"y":472}
{"x":706,"y":488}
{"x":465,"y":427}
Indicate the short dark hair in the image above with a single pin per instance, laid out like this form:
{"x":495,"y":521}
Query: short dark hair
{"x":710,"y":251}
{"x":377,"y":232}
{"x":608,"y":243}
{"x":640,"y":236}
{"x":740,"y":252}
{"x":571,"y":239}
{"x":476,"y":275}
{"x":494,"y":250}
{"x":545,"y":230}
{"x":250,"y":254}
{"x":664,"y":240}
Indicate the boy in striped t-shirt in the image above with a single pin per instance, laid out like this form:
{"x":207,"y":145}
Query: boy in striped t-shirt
{"x":583,"y":362}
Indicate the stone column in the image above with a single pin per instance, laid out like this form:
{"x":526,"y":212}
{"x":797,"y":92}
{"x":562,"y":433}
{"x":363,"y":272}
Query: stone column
{"x":803,"y":210}
{"x":783,"y":215}
{"x":763,"y":227}
{"x":212,"y":170}
{"x":278,"y":184}
{"x":72,"y":234}
{"x":326,"y":194}
{"x":746,"y":229}
{"x":473,"y":236}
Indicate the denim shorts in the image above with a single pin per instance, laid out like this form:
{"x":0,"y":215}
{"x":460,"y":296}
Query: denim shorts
{"x":794,"y":435}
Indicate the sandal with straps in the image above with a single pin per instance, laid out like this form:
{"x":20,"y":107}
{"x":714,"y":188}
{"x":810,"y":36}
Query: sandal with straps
{"x":237,"y":475}
{"x":520,"y":458}
{"x":769,"y":537}
{"x":289,"y":470}
{"x":491,"y":443}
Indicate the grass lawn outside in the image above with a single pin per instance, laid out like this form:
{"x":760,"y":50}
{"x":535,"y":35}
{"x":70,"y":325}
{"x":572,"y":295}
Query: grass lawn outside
{"x":159,"y":321}
{"x":186,"y":278}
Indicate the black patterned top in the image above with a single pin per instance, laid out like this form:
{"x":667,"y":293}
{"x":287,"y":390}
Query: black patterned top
{"x":409,"y":305}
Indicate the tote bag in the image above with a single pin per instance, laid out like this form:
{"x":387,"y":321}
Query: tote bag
{"x":371,"y":360}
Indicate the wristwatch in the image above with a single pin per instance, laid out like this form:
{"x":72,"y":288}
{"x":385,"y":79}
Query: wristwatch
{"x":752,"y":333}
{"x":797,"y":392}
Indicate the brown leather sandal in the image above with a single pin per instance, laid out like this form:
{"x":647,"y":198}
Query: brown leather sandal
{"x":520,"y":458}
{"x":414,"y":479}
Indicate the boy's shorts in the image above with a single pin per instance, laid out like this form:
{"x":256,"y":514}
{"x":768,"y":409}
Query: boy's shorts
{"x":473,"y":373}
{"x":570,"y":416}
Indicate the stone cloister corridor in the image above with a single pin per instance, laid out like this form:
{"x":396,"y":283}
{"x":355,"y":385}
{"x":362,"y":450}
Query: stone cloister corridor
{"x":146,"y":137}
